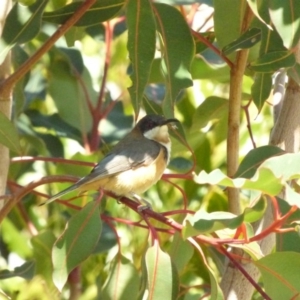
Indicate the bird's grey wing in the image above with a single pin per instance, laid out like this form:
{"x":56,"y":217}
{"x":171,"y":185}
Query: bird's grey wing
{"x":136,"y":153}
{"x":108,"y":166}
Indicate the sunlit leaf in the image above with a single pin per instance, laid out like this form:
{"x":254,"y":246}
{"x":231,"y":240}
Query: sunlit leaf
{"x":180,"y":252}
{"x":264,"y":180}
{"x":76,"y":243}
{"x":123,"y":281}
{"x":279,"y":276}
{"x":141,"y":46}
{"x":203,"y":222}
{"x":162,"y":275}
{"x":285,"y":16}
{"x":255,"y":158}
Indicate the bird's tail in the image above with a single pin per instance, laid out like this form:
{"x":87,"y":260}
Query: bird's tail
{"x":60,"y":194}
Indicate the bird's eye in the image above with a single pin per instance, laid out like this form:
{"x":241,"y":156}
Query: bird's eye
{"x":150,"y":124}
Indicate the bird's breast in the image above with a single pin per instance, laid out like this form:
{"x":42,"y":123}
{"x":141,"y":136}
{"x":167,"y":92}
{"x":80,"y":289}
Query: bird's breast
{"x":133,"y":181}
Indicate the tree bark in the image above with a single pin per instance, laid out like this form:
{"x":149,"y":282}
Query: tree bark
{"x":5,"y":100}
{"x":285,"y":134}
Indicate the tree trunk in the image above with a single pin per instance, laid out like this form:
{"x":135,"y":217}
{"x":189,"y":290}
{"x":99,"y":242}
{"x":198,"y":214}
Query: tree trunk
{"x":5,"y":100}
{"x":285,"y":134}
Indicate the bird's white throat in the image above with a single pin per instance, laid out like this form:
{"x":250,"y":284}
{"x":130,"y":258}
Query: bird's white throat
{"x":160,"y":134}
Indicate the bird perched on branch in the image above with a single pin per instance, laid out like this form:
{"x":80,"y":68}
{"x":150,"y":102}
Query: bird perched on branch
{"x":135,"y":164}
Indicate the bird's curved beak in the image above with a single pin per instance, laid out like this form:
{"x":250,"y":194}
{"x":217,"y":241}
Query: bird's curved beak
{"x":169,"y":121}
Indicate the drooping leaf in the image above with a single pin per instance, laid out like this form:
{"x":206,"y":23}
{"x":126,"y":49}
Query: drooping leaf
{"x":141,"y":46}
{"x":101,"y":11}
{"x":247,"y":40}
{"x":273,"y":61}
{"x":255,"y":158}
{"x":264,"y":180}
{"x":223,"y":9}
{"x":61,"y":128}
{"x":22,"y":24}
{"x":8,"y":134}
{"x":162,"y":275}
{"x":76,"y":243}
{"x":180,"y":252}
{"x":68,"y":94}
{"x":285,"y":16}
{"x":270,"y":39}
{"x":212,"y":109}
{"x":200,"y":69}
{"x":261,"y":89}
{"x":42,"y":245}
{"x":278,"y":275}
{"x":177,"y":53}
{"x":203,"y":222}
{"x":123,"y":281}
{"x":25,"y":271}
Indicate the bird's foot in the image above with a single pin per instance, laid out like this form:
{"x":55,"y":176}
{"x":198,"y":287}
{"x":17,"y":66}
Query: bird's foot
{"x":144,"y":204}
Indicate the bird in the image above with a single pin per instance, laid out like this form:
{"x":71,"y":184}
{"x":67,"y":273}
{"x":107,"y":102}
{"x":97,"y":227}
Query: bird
{"x":135,"y":163}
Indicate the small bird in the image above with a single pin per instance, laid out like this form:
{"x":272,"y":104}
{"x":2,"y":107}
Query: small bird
{"x":135,"y":164}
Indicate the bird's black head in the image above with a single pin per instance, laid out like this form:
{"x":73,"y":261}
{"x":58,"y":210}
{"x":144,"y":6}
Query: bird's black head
{"x":149,"y":122}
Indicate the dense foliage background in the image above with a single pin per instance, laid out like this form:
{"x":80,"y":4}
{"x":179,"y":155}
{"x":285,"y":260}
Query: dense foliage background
{"x":78,"y":75}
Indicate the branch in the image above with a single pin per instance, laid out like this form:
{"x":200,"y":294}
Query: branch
{"x":7,"y":85}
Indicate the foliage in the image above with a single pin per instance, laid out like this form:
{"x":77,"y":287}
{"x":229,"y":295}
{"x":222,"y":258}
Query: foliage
{"x":74,"y":97}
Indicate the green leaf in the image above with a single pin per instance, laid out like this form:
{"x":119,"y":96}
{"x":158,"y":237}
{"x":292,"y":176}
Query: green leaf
{"x":273,"y":61}
{"x":101,"y":11}
{"x":285,"y":16}
{"x":226,"y":34}
{"x":180,"y":252}
{"x":200,"y":69}
{"x":8,"y":134}
{"x":123,"y":280}
{"x":264,"y":181}
{"x":270,"y":39}
{"x":141,"y":46}
{"x":212,"y":109}
{"x":216,"y":291}
{"x":177,"y":53}
{"x":42,"y":245}
{"x":279,"y":277}
{"x":61,"y":128}
{"x":255,"y":158}
{"x":68,"y":95}
{"x":22,"y":24}
{"x":25,"y":271}
{"x":284,"y":166}
{"x":248,"y":39}
{"x":163,"y":280}
{"x":203,"y":222}
{"x":76,"y":243}
{"x":261,"y":89}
